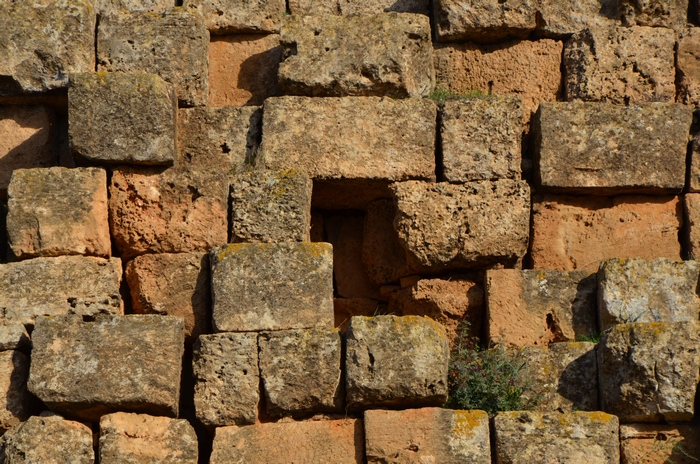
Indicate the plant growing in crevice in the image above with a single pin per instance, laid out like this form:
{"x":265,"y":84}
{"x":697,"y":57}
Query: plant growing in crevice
{"x":440,"y":95}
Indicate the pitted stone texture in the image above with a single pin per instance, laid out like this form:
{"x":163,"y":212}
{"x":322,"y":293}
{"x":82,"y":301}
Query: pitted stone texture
{"x":649,"y":372}
{"x":524,"y":437}
{"x":144,"y":439}
{"x":270,"y":206}
{"x":637,"y":290}
{"x":337,"y":441}
{"x":561,"y":19}
{"x":621,"y":65}
{"x":300,"y":370}
{"x":688,"y":68}
{"x":235,"y":17}
{"x":358,"y":145}
{"x":483,"y":20}
{"x":657,"y":13}
{"x":15,"y":402}
{"x":395,"y":361}
{"x":87,"y":369}
{"x":384,"y":258}
{"x":427,"y":435}
{"x":470,"y":225}
{"x":153,"y":6}
{"x":58,"y":211}
{"x":691,"y":206}
{"x":45,"y":439}
{"x":658,"y":444}
{"x":272,"y":286}
{"x":227,"y":379}
{"x":13,"y":335}
{"x":172,"y":285}
{"x":63,"y":285}
{"x":135,"y":114}
{"x":357,"y":7}
{"x":594,"y":148}
{"x":43,"y":41}
{"x":174,"y":45}
{"x":572,"y":233}
{"x":532,"y":307}
{"x":388,"y":54}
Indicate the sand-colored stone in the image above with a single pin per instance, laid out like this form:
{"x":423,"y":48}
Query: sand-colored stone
{"x":154,"y":6}
{"x":691,"y":237}
{"x":483,"y":20}
{"x":659,"y":444}
{"x":347,"y":7}
{"x":657,"y":13}
{"x":688,"y":68}
{"x":15,"y":402}
{"x":382,"y":255}
{"x":235,"y":17}
{"x":345,"y":308}
{"x":13,"y":335}
{"x":561,"y":19}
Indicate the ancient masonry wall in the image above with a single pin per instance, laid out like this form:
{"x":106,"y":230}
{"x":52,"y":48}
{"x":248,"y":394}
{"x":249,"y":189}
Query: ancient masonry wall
{"x":252,"y":231}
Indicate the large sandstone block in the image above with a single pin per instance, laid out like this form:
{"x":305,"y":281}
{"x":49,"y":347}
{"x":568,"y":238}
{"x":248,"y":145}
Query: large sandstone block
{"x":349,"y":7}
{"x":383,"y":55}
{"x":174,"y":45}
{"x":108,"y":363}
{"x":470,"y":225}
{"x":562,"y":19}
{"x":235,"y":17}
{"x":15,"y":402}
{"x":433,"y":435}
{"x":382,"y":255}
{"x":649,"y":372}
{"x":58,"y":211}
{"x":531,"y":307}
{"x":572,"y":233}
{"x":658,"y":13}
{"x":351,"y":160}
{"x":688,"y":68}
{"x":43,"y":42}
{"x":337,"y":441}
{"x":124,"y":118}
{"x":594,"y":148}
{"x":483,"y":20}
{"x":658,"y":444}
{"x":524,"y":437}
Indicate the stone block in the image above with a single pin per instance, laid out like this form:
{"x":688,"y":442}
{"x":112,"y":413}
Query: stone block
{"x":562,"y":19}
{"x":144,"y":439}
{"x":15,"y":402}
{"x":691,"y":238}
{"x":337,"y":441}
{"x":624,"y":65}
{"x":649,"y":372}
{"x":58,"y":211}
{"x":13,"y":335}
{"x":126,"y":118}
{"x":531,"y":307}
{"x":470,"y":225}
{"x":289,"y":359}
{"x":227,"y":379}
{"x":388,"y":54}
{"x":483,"y":20}
{"x":174,"y":45}
{"x":525,"y":437}
{"x":48,"y":438}
{"x":593,"y":148}
{"x":270,"y":206}
{"x":688,"y":70}
{"x":659,"y":444}
{"x":104,"y":7}
{"x":395,"y":361}
{"x":44,"y":42}
{"x":89,"y":368}
{"x":382,"y":255}
{"x":350,"y":160}
{"x":356,"y":7}
{"x":570,"y":233}
{"x":235,"y":17}
{"x":657,"y":13}
{"x":271,"y":286}
{"x":345,"y":308}
{"x":172,"y":285}
{"x":63,"y":285}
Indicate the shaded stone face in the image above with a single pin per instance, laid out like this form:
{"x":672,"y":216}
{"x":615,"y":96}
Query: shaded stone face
{"x":15,"y":402}
{"x":657,"y":13}
{"x":688,"y":69}
{"x":691,"y":214}
{"x":483,"y":20}
{"x":382,"y":255}
{"x":13,"y":335}
{"x":659,"y":443}
{"x":233,"y":16}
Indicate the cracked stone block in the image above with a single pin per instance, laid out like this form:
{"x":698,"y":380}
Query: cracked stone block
{"x":15,"y":401}
{"x":483,"y":20}
{"x":658,"y":444}
{"x":236,"y":17}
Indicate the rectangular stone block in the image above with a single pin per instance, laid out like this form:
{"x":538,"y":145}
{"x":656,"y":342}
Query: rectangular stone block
{"x":272,"y":286}
{"x":660,"y":13}
{"x":570,"y":233}
{"x":688,"y":74}
{"x":594,"y":148}
{"x":349,"y":7}
{"x":433,"y":435}
{"x":127,"y":118}
{"x":659,"y":444}
{"x":88,"y":368}
{"x":174,"y":45}
{"x":562,"y":19}
{"x":691,"y":216}
{"x":104,"y":7}
{"x":531,"y":307}
{"x":13,"y":335}
{"x":483,"y":20}
{"x":15,"y":402}
{"x":235,"y":17}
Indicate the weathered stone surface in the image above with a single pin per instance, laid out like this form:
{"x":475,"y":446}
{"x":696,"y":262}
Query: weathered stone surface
{"x":345,"y":308}
{"x":233,"y":16}
{"x":656,"y":13}
{"x":531,"y":307}
{"x":649,"y":372}
{"x":243,"y":69}
{"x":144,"y":439}
{"x":356,"y":148}
{"x":89,"y":368}
{"x":395,"y":361}
{"x":350,"y":7}
{"x":271,"y":286}
{"x":688,"y":68}
{"x":135,"y":114}
{"x":172,"y":285}
{"x":174,"y":45}
{"x":384,"y":259}
{"x":577,"y":232}
{"x":483,"y":20}
{"x":14,"y":398}
{"x":270,"y":206}
{"x":691,"y":238}
{"x":594,"y":148}
{"x":154,"y":6}
{"x":289,"y":359}
{"x":13,"y":335}
{"x":432,"y":435}
{"x":524,"y":437}
{"x":49,"y":438}
{"x":659,"y":444}
{"x":470,"y":225}
{"x":227,"y":378}
{"x":43,"y":42}
{"x":621,"y":65}
{"x":58,"y":211}
{"x":62,"y":285}
{"x":561,"y":19}
{"x":388,"y":54}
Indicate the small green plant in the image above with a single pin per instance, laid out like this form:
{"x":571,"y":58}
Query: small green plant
{"x":593,"y":338}
{"x":669,"y":450}
{"x":441,"y":95}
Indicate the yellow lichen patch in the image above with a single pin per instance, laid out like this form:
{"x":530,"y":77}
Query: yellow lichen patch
{"x":230,"y":249}
{"x":597,"y":416}
{"x":317,"y":249}
{"x":466,"y":421}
